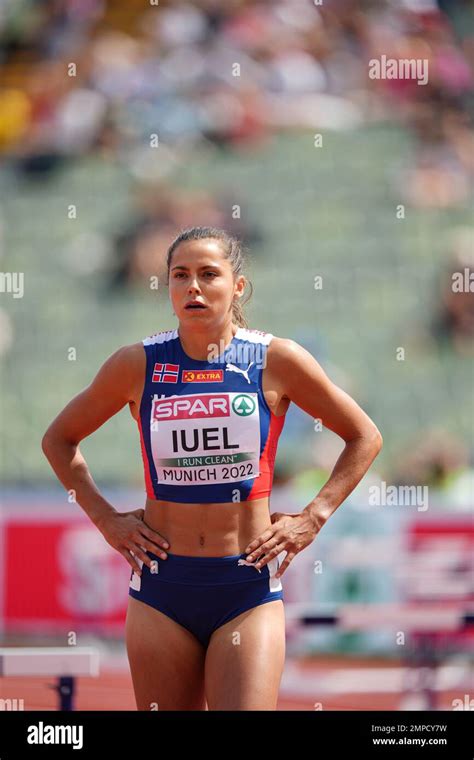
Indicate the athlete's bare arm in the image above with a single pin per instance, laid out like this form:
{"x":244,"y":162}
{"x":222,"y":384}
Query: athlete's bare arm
{"x":112,"y":388}
{"x":307,"y":385}
{"x":115,"y":385}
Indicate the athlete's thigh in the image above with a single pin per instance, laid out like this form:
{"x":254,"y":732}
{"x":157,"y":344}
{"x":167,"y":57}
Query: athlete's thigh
{"x":166,"y":660}
{"x":245,"y":660}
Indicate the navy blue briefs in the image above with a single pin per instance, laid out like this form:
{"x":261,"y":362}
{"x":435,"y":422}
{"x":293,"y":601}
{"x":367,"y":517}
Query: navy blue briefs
{"x":203,"y":593}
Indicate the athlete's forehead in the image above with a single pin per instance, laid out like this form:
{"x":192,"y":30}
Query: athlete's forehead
{"x":197,"y":253}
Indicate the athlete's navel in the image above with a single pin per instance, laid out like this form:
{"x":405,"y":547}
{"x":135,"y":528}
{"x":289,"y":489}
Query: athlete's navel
{"x":202,"y":540}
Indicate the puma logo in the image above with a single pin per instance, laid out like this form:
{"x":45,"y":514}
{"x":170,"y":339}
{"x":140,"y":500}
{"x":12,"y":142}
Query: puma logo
{"x":250,"y":564}
{"x":244,"y":372}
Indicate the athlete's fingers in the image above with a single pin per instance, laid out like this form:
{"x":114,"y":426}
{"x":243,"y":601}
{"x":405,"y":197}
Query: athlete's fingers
{"x":139,"y":551}
{"x":266,"y":546}
{"x":256,"y":543}
{"x":144,"y":557}
{"x":289,"y":557}
{"x":131,"y":561}
{"x":267,"y":556}
{"x":269,"y":550}
{"x":152,"y":547}
{"x":153,"y":536}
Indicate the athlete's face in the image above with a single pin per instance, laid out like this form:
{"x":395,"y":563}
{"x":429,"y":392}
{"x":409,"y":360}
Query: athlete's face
{"x":199,"y":271}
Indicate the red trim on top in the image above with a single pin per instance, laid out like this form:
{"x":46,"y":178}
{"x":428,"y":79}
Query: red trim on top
{"x":148,"y":482}
{"x":263,"y":484}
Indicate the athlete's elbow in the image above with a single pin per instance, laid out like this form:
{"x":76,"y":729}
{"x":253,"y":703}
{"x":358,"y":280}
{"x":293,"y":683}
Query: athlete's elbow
{"x":47,"y":443}
{"x":52,"y":441}
{"x":375,"y":439}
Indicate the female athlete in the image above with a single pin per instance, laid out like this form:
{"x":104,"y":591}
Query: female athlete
{"x":205,"y":626}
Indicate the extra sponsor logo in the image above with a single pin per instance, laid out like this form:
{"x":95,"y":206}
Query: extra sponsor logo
{"x":202,"y":376}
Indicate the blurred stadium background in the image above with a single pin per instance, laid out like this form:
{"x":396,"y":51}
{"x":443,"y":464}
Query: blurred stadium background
{"x":123,"y":122}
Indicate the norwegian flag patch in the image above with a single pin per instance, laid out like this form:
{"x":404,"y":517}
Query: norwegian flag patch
{"x":165,"y":373}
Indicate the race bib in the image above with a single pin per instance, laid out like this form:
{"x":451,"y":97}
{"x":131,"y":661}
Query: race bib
{"x":205,"y":438}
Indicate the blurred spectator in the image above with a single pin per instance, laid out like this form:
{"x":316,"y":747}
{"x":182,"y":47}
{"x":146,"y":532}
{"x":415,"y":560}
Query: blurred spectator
{"x":160,"y":211}
{"x":454,"y":321}
{"x":435,"y":460}
{"x":234,"y":73}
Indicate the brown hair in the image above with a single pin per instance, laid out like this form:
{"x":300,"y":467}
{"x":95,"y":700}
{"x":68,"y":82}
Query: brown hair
{"x":233,"y":251}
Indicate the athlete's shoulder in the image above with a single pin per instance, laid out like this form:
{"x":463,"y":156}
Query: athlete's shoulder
{"x":286,"y":354}
{"x":252,"y":335}
{"x":120,"y":372}
{"x":283,"y":347}
{"x":280,"y":351}
{"x":128,"y":359}
{"x":131,"y":351}
{"x":159,"y":337}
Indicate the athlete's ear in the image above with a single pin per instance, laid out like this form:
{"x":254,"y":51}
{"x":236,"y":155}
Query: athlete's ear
{"x":243,"y":281}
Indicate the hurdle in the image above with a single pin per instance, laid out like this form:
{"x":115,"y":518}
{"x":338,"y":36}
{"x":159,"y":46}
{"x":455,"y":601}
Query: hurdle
{"x":66,"y":663}
{"x":429,"y":617}
{"x":424,"y":621}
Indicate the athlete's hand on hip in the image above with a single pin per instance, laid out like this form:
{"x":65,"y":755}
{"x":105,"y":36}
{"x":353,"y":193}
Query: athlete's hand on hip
{"x":130,"y":535}
{"x":289,"y":532}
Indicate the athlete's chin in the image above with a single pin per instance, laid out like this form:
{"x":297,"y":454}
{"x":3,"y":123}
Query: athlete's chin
{"x":193,"y":313}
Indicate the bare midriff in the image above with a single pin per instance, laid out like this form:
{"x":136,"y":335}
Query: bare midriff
{"x":208,"y":530}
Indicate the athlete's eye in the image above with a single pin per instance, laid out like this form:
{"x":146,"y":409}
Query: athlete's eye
{"x":179,"y":275}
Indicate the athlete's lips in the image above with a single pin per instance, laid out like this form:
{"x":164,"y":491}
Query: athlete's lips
{"x":195,"y":304}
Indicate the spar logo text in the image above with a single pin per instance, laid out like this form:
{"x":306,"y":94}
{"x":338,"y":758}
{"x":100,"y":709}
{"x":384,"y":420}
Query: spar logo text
{"x":191,"y":407}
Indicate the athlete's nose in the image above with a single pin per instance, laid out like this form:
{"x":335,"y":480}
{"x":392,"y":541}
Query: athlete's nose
{"x":193,"y":286}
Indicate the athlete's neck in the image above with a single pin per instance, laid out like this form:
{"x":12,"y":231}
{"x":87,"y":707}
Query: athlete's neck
{"x":203,"y":344}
